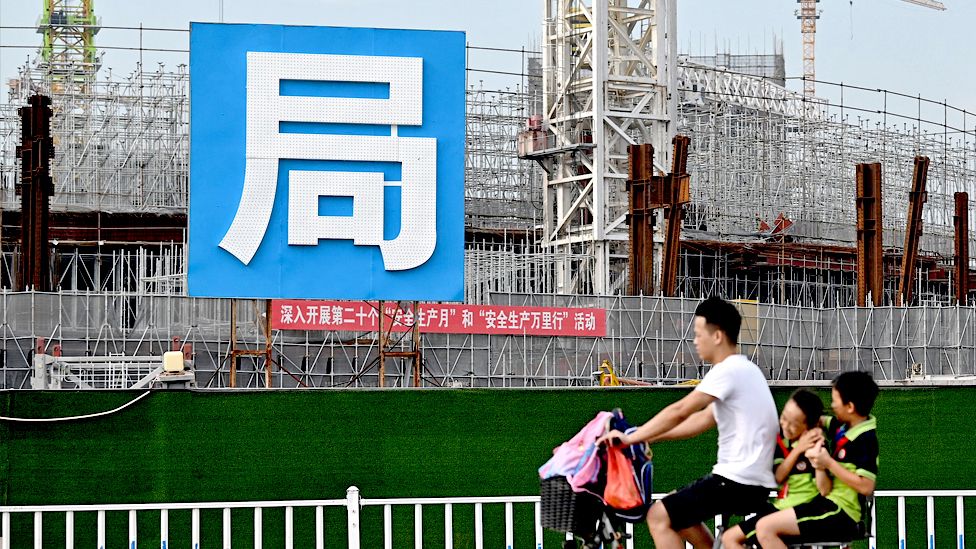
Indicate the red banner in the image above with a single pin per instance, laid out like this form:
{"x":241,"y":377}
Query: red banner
{"x":362,"y":316}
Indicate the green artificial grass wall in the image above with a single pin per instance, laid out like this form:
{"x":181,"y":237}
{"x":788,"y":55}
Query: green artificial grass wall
{"x":181,"y":446}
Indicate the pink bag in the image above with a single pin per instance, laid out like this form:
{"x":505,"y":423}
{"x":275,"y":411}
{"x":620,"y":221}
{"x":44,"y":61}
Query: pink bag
{"x":576,"y":459}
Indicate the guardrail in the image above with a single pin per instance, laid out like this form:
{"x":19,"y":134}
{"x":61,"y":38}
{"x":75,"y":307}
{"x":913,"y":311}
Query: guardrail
{"x":353,"y":504}
{"x":95,"y":372}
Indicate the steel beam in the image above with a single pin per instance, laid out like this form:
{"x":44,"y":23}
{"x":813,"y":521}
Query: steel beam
{"x":648,"y":192}
{"x":36,"y":187}
{"x":678,"y":194}
{"x":917,"y":197}
{"x":641,"y":220}
{"x":961,"y":223}
{"x":870,"y":254}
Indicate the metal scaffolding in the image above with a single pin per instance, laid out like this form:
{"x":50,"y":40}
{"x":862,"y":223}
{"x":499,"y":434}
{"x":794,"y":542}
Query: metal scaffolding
{"x":768,"y":167}
{"x":648,"y":339}
{"x":500,"y":190}
{"x":802,"y":166}
{"x":120,"y":144}
{"x":770,"y":67}
{"x":506,"y":266}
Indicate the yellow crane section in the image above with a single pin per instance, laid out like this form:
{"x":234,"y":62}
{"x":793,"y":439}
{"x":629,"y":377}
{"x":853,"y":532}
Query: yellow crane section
{"x":808,"y":15}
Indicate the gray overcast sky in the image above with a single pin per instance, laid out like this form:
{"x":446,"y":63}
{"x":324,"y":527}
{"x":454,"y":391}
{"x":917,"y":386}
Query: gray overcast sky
{"x":875,"y":43}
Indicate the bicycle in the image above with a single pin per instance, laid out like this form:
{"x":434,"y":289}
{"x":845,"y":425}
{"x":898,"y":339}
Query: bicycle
{"x":584,"y":514}
{"x":606,"y":535}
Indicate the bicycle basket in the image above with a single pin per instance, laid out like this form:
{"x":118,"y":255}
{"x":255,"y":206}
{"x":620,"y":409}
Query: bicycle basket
{"x":564,"y":510}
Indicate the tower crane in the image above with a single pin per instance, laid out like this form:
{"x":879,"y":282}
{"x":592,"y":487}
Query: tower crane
{"x":808,"y":15}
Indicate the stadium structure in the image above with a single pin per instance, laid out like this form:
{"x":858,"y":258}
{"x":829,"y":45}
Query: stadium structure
{"x":780,"y":216}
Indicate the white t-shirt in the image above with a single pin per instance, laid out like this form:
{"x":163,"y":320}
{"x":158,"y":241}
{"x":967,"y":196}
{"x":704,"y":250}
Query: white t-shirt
{"x":747,"y":421}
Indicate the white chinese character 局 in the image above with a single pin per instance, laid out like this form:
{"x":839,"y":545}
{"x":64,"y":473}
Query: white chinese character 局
{"x":266,"y":145}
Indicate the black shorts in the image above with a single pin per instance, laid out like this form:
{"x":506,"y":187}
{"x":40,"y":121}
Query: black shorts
{"x":822,"y":520}
{"x":710,"y":496}
{"x":748,"y":525}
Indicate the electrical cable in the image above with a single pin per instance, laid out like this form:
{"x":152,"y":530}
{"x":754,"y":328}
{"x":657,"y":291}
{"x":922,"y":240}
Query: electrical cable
{"x":73,"y":418}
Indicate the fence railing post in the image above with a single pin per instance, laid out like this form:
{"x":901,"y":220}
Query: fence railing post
{"x":352,"y":516}
{"x":960,"y":524}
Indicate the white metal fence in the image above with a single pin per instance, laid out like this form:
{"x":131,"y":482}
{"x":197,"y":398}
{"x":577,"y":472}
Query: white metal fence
{"x":353,"y":504}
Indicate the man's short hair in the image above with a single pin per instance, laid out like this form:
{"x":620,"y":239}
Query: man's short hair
{"x":810,"y":404}
{"x":857,"y":388}
{"x":721,"y":315}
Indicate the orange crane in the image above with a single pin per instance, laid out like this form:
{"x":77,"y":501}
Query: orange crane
{"x":808,"y":15}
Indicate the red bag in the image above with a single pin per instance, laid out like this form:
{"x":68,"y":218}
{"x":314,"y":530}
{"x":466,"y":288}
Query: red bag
{"x":621,"y":491}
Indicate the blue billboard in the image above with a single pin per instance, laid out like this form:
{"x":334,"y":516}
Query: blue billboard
{"x":326,"y":162}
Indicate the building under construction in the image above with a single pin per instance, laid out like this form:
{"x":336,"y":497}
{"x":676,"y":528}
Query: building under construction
{"x":845,"y":247}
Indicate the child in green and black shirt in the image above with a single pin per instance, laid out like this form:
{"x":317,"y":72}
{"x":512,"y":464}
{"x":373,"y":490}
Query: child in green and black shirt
{"x":847,"y":468}
{"x":795,"y":475}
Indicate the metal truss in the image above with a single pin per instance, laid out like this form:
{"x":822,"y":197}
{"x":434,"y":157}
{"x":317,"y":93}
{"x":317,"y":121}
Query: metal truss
{"x":607,"y":73}
{"x":699,"y":84}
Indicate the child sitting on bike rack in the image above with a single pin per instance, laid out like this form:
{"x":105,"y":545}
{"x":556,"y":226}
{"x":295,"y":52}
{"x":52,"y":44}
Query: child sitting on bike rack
{"x":799,"y":424}
{"x":846,"y":471}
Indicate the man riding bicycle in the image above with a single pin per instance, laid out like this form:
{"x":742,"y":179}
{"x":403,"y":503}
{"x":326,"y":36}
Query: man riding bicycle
{"x":735,"y":397}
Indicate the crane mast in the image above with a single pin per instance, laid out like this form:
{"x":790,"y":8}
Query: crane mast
{"x":808,"y":15}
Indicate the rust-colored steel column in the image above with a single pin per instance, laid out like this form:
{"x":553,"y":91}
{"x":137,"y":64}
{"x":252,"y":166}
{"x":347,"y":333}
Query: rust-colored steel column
{"x":647,"y":193}
{"x":640,"y":218}
{"x":913,"y":231}
{"x":267,"y":344}
{"x":961,"y":223}
{"x":236,"y":353}
{"x":870,"y":254}
{"x":384,"y":342}
{"x":233,"y":343}
{"x":389,"y":345}
{"x":36,"y":187}
{"x":678,"y":194}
